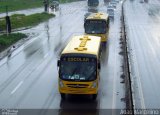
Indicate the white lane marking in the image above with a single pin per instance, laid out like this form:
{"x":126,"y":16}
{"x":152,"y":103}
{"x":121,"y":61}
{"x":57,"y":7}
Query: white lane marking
{"x":138,"y":78}
{"x":114,"y":85}
{"x":18,"y":86}
{"x":136,"y":67}
{"x":46,"y":55}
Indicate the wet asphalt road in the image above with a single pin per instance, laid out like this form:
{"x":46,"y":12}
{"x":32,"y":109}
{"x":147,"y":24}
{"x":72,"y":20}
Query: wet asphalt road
{"x":29,"y":78}
{"x":143,"y":31}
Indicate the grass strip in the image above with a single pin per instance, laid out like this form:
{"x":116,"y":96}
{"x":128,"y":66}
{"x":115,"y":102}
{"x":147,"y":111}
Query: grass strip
{"x":8,"y":40}
{"x":14,"y":5}
{"x":19,"y":4}
{"x":20,"y":20}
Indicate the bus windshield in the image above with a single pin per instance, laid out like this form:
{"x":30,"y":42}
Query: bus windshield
{"x":95,"y":27}
{"x":78,"y":70}
{"x":93,"y":2}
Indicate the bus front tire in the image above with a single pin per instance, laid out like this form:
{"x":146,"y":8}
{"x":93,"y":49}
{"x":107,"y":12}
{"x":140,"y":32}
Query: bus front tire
{"x":63,"y":96}
{"x":94,"y":96}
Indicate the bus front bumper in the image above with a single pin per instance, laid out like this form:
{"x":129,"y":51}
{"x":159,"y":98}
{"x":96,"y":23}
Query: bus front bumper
{"x":78,"y":90}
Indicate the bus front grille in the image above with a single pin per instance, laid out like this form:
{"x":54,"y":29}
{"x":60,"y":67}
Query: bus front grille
{"x":77,"y":85}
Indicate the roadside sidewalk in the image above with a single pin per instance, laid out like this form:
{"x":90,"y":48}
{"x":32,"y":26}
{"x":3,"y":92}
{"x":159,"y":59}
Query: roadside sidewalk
{"x":26,"y":12}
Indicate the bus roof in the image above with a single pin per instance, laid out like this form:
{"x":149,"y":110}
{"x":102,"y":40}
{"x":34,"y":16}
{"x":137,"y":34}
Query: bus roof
{"x":84,"y":44}
{"x":95,"y":16}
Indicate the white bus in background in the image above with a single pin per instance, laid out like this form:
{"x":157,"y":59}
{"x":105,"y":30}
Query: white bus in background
{"x":110,"y":11}
{"x":113,"y":3}
{"x":93,"y":3}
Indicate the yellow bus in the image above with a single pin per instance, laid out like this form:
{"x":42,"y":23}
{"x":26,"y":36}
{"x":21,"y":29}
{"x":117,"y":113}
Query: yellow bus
{"x":97,"y":24}
{"x":79,"y":66}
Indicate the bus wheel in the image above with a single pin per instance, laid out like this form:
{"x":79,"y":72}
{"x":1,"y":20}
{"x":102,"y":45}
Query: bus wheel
{"x":94,"y":96}
{"x":63,"y":96}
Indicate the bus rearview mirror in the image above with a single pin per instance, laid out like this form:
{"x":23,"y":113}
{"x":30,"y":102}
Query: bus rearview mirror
{"x":58,"y":63}
{"x":99,"y":66}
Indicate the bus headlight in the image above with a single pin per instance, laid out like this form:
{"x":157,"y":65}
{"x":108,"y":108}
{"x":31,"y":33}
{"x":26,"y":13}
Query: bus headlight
{"x":94,"y":85}
{"x":61,"y":84}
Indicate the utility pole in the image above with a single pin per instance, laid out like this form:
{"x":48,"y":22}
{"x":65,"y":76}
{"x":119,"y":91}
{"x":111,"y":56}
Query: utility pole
{"x":60,"y":23}
{"x":46,"y":5}
{"x":8,"y":22}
